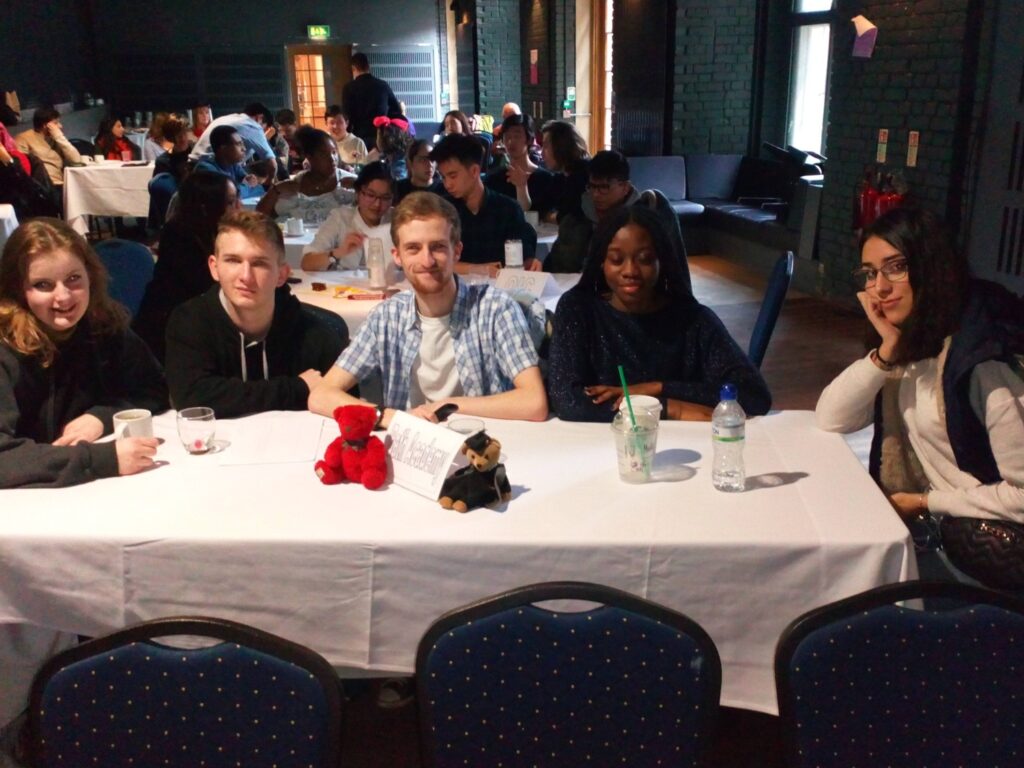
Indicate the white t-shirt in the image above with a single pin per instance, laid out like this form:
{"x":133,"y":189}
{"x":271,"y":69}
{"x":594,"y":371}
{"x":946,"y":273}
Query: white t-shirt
{"x":434,"y":375}
{"x":339,"y":223}
{"x":351,"y":149}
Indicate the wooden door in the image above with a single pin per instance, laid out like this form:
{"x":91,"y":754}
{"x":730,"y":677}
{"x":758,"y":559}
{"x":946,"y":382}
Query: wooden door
{"x":317,"y":73}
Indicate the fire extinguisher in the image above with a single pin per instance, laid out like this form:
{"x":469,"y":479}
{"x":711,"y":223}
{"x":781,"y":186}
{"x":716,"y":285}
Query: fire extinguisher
{"x":866,"y":201}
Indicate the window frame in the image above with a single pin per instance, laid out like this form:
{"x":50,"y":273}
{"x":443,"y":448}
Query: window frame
{"x":798,"y":19}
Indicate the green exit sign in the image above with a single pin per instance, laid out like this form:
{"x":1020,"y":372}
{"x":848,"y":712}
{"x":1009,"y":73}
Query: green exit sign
{"x":318,"y":31}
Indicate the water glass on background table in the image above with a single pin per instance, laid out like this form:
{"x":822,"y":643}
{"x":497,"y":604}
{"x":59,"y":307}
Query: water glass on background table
{"x":196,"y":428}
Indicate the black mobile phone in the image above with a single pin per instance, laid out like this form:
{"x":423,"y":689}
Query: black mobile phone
{"x":445,"y":411}
{"x":294,"y":280}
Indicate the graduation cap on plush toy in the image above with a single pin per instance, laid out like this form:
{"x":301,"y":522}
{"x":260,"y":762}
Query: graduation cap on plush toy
{"x":478,"y":443}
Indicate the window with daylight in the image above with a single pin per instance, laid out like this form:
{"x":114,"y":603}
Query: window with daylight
{"x":808,"y":83}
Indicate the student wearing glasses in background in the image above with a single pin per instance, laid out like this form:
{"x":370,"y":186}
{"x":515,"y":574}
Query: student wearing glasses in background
{"x":941,"y":383}
{"x":339,"y":241}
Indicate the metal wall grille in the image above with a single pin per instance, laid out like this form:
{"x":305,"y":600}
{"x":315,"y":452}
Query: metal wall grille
{"x":1010,"y":258}
{"x":411,"y":71}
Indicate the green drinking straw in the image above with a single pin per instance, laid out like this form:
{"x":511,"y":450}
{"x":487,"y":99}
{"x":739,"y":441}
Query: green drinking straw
{"x":625,"y":393}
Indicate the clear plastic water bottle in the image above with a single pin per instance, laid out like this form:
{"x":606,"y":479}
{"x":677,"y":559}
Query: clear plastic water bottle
{"x":376,"y":264}
{"x":728,"y":434}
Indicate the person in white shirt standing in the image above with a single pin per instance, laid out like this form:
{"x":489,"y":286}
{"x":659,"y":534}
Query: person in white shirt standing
{"x":340,"y":241}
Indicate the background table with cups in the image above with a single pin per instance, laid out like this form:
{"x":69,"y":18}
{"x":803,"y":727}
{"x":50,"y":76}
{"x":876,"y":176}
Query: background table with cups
{"x":249,"y":533}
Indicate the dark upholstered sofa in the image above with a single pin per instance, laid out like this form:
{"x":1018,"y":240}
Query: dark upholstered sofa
{"x":749,"y":199}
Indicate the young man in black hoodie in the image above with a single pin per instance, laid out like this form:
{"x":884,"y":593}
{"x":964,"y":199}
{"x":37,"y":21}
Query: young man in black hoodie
{"x":245,"y":345}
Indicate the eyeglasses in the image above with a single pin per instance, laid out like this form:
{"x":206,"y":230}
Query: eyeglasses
{"x":374,"y":197}
{"x":895,"y":272}
{"x":601,"y":187}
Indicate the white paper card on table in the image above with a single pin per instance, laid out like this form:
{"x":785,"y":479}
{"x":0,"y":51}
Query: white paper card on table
{"x":522,"y":281}
{"x":421,"y":453}
{"x":271,"y":438}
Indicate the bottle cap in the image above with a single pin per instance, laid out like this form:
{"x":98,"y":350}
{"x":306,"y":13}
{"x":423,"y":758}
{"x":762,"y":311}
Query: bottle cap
{"x":728,"y":392}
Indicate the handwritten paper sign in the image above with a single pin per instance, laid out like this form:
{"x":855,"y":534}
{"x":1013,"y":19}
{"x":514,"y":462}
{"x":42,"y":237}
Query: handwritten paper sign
{"x":421,"y":453}
{"x":521,"y":281}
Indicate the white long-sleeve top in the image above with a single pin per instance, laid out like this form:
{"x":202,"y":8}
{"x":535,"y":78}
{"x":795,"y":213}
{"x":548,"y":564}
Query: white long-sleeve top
{"x":339,"y":223}
{"x":997,"y":397}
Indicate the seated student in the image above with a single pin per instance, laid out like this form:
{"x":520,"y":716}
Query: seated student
{"x":68,"y":363}
{"x":156,"y":143}
{"x":228,"y":153}
{"x":941,"y":383}
{"x":202,"y":116}
{"x":565,"y":154}
{"x":393,"y":141}
{"x":338,"y":244}
{"x":443,"y":342}
{"x":534,"y":187}
{"x":175,"y":160}
{"x":422,"y":172}
{"x":110,"y":141}
{"x":351,"y":149}
{"x":487,"y":218}
{"x":313,"y":194}
{"x":249,"y":124}
{"x":632,"y":307}
{"x":289,"y":156}
{"x":47,"y":143}
{"x":608,"y":189}
{"x":246,"y":345}
{"x":186,"y":241}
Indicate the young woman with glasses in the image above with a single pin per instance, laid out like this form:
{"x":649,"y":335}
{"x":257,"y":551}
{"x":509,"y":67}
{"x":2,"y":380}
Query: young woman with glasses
{"x":339,"y":242}
{"x":942,"y":381}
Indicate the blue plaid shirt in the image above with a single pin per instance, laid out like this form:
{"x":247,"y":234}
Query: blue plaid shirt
{"x":489,"y":332}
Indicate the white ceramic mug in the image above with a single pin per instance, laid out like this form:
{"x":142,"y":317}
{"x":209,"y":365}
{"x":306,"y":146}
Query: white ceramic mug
{"x":294,"y":226}
{"x":135,"y":422}
{"x":100,"y":158}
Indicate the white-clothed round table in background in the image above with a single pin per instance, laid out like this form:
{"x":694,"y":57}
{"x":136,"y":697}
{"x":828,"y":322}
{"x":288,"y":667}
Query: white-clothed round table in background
{"x":251,"y":534}
{"x":109,"y":188}
{"x":8,"y":223}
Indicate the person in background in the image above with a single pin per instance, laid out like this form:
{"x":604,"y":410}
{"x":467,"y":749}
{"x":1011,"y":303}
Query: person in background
{"x":47,"y":143}
{"x":174,"y":160}
{"x":410,"y":126}
{"x":202,"y":116}
{"x":246,"y":345}
{"x":339,"y":243}
{"x":311,"y":194}
{"x":365,"y":97}
{"x":392,"y":143}
{"x":17,"y":187}
{"x":444,"y":342}
{"x":68,"y":363}
{"x":110,"y":141}
{"x":228,"y":153}
{"x":508,"y":109}
{"x":942,"y":383}
{"x":565,"y":153}
{"x":156,"y":144}
{"x":289,"y":157}
{"x":455,"y":122}
{"x":633,"y":307}
{"x":256,"y":149}
{"x":422,"y":172}
{"x":488,"y":219}
{"x":351,"y":148}
{"x":186,"y":241}
{"x":532,"y":186}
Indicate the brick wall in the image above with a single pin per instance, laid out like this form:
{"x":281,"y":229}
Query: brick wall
{"x":537,"y":34}
{"x":499,"y":76}
{"x":911,"y":83}
{"x":712,"y":77}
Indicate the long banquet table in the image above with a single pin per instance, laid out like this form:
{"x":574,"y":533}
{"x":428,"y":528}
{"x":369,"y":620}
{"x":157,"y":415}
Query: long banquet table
{"x":359,"y":575}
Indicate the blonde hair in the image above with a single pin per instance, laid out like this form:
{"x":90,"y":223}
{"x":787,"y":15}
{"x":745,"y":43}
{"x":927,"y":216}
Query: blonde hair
{"x":254,"y":226}
{"x":20,"y":329}
{"x":425,"y":205}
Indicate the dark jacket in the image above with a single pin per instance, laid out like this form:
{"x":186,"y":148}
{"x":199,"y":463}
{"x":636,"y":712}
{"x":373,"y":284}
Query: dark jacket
{"x":365,"y":98}
{"x":94,"y":374}
{"x":205,"y":352}
{"x":991,"y":328}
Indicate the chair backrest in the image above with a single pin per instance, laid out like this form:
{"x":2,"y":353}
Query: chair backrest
{"x":84,"y":147}
{"x":252,"y":699}
{"x":161,"y":189}
{"x":130,"y":265}
{"x":867,"y":681}
{"x":332,"y":320}
{"x":771,"y":305}
{"x":508,"y":682}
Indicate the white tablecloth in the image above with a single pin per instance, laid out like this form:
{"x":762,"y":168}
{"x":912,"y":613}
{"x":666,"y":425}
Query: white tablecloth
{"x":8,"y":223}
{"x":105,"y":189}
{"x":359,"y":575}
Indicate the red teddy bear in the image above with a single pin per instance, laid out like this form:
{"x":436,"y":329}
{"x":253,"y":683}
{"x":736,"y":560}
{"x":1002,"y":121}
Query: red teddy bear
{"x":356,"y":456}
